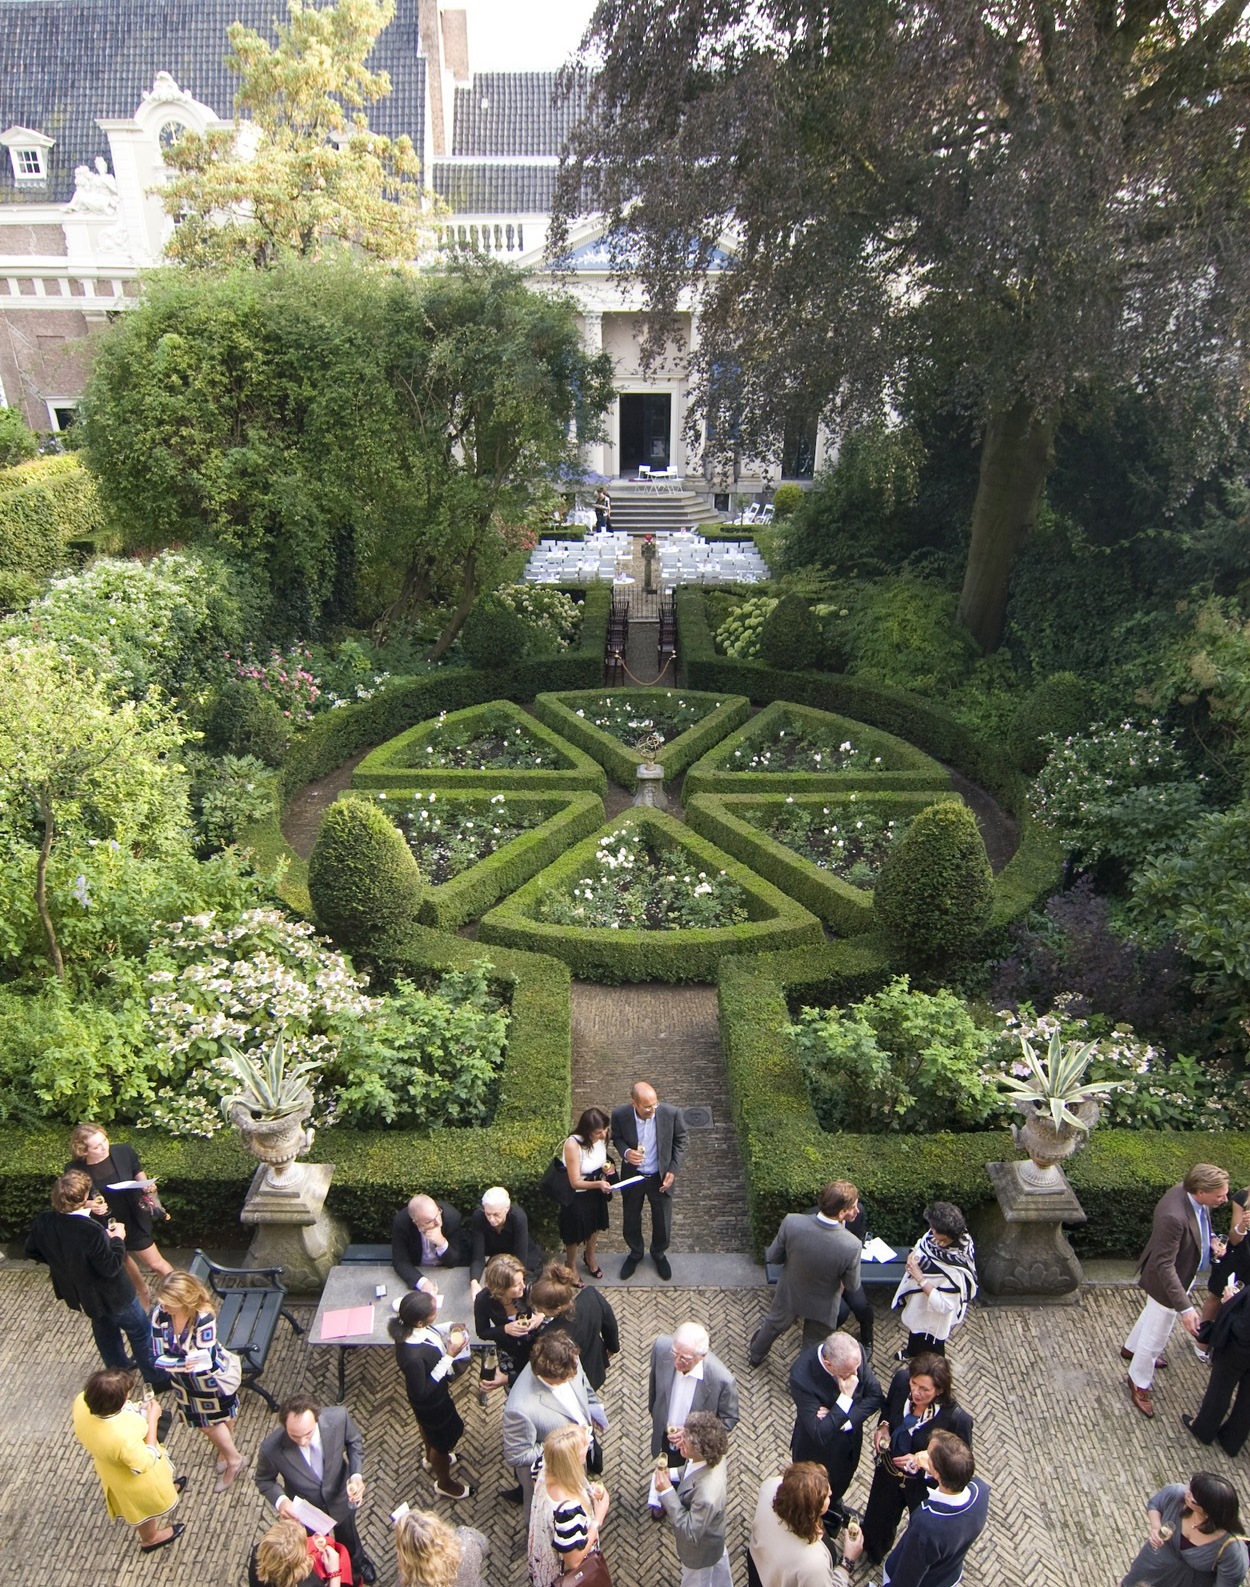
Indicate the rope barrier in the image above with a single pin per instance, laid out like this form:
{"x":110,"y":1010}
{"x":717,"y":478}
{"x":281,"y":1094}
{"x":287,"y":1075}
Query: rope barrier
{"x":617,"y":656}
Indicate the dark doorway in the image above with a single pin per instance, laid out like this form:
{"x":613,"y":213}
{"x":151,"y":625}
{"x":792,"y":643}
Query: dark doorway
{"x":645,"y":424}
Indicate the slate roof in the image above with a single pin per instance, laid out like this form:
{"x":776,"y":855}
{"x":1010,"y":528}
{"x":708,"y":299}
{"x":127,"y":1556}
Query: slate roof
{"x":494,"y":188}
{"x":65,"y":63}
{"x":513,"y":113}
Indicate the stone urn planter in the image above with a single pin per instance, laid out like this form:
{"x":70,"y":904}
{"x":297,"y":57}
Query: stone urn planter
{"x":1048,"y":1144}
{"x":277,"y":1142}
{"x":648,"y":558}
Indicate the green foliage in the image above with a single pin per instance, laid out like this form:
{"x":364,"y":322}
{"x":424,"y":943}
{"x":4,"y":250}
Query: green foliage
{"x":935,"y":893}
{"x":899,"y":1060}
{"x":245,"y":721}
{"x":17,"y":439}
{"x":17,"y":590}
{"x":552,"y":618}
{"x":45,"y":506}
{"x":738,"y":635}
{"x":230,"y":793}
{"x":790,"y":639}
{"x":852,"y":516}
{"x":787,"y":499}
{"x":1062,"y":705}
{"x":267,"y":1084}
{"x":903,"y":631}
{"x":362,"y":878}
{"x":493,"y":636}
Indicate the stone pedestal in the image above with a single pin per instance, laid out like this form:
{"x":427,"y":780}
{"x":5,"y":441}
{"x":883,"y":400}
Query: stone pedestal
{"x":1023,"y":1255}
{"x":651,"y":787}
{"x":292,"y":1229}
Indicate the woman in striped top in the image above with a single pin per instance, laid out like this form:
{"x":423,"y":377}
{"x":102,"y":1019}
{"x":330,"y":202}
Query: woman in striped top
{"x":568,"y":1510}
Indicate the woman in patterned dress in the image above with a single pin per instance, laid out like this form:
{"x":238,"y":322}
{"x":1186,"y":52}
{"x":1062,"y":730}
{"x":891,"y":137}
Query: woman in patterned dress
{"x":568,"y":1511}
{"x":184,"y":1338}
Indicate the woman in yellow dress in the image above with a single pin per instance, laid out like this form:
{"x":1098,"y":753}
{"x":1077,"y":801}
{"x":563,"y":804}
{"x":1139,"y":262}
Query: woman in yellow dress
{"x":134,"y":1471}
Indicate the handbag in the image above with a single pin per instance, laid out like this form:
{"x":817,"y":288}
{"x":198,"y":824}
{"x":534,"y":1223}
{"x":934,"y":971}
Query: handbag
{"x":592,"y":1572}
{"x":227,"y":1376}
{"x":555,"y":1183}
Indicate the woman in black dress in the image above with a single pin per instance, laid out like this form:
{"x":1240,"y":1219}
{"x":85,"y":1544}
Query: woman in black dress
{"x":105,"y":1164}
{"x":428,"y":1365}
{"x":920,"y":1402}
{"x":589,"y":1170}
{"x":503,"y":1313}
{"x":583,"y":1314}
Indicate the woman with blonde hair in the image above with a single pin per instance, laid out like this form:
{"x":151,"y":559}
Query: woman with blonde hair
{"x":284,"y":1558}
{"x":503,"y":1314}
{"x":107,"y":1165}
{"x":205,"y":1375}
{"x":568,"y":1510}
{"x":430,"y":1554}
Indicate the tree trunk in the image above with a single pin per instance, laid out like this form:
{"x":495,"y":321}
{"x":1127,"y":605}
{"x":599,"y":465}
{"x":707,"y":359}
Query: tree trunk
{"x":468,"y":594}
{"x":1016,"y":455}
{"x":41,"y":882}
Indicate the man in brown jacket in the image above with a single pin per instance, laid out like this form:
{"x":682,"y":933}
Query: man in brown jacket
{"x":1180,"y":1243}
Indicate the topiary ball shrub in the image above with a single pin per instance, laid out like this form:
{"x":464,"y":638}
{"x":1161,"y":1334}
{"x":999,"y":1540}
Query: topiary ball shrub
{"x":791,"y":640}
{"x":244,"y":720}
{"x":935,"y":892}
{"x":362,"y":878}
{"x":493,"y":635}
{"x":1062,"y":704}
{"x":787,"y":499}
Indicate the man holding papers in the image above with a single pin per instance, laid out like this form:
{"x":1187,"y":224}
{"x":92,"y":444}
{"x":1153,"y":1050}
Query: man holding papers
{"x":651,"y":1138}
{"x":314,"y":1459}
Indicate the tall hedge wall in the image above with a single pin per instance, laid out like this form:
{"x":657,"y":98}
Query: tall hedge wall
{"x":45,"y":505}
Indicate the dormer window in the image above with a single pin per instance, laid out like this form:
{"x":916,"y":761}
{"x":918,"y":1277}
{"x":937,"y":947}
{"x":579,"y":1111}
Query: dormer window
{"x":28,"y":153}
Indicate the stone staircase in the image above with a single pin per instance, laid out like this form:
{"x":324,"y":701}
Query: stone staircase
{"x":640,"y":510}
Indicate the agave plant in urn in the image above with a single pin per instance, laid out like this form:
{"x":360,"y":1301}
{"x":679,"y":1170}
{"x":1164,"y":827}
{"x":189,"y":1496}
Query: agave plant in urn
{"x":269,"y":1107}
{"x":1059,"y":1105}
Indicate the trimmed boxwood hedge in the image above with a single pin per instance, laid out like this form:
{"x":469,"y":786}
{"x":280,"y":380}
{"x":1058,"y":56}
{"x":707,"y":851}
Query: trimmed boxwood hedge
{"x":1032,"y":873}
{"x":559,"y":711}
{"x":397,"y":763}
{"x":46,"y":506}
{"x":903,"y":767}
{"x":718,"y":817}
{"x":203,"y":1183}
{"x":788,"y":1157}
{"x":601,"y":954}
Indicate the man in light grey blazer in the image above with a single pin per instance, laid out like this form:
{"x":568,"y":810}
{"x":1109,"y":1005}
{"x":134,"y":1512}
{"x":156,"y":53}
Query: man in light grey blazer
{"x":821,"y":1258}
{"x":686,"y":1377}
{"x":651,"y":1137}
{"x":696,"y":1505}
{"x":551,"y":1391}
{"x":317,"y":1455}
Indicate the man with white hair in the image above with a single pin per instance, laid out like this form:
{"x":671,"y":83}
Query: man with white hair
{"x":498,"y":1228}
{"x":426,"y":1233}
{"x":686,"y":1377}
{"x":834,"y":1392}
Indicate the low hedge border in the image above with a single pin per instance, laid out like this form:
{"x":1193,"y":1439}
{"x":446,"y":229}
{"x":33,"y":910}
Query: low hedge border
{"x":396,"y":764}
{"x":847,"y":909}
{"x":605,"y":955}
{"x":1033,"y":872}
{"x":567,"y":817}
{"x":559,"y":711}
{"x":903,"y":767}
{"x":203,"y":1182}
{"x":788,"y":1157}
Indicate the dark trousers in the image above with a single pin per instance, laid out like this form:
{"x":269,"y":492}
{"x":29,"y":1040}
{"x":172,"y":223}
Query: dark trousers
{"x":856,"y":1302}
{"x":346,"y":1533}
{"x":661,"y":1205}
{"x":753,"y":1576}
{"x":134,"y":1323}
{"x":1230,"y":1375}
{"x":922,"y":1344}
{"x":888,"y":1499}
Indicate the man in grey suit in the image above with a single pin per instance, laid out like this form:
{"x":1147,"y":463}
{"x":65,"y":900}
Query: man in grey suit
{"x":697,"y":1504}
{"x":551,"y":1391}
{"x":686,"y":1377}
{"x":651,"y":1136}
{"x":317,"y":1455}
{"x":821,"y":1259}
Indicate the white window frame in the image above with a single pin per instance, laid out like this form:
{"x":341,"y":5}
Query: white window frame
{"x":28,"y":155}
{"x":52,"y":404}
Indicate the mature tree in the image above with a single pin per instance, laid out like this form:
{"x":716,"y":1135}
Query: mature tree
{"x":300,"y":173}
{"x":1019,"y":200}
{"x":359,"y":439}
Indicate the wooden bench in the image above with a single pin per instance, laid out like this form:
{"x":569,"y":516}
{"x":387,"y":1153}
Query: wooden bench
{"x":249,"y":1302}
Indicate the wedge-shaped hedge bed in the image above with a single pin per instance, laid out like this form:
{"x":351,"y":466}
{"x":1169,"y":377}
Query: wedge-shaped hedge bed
{"x":1119,"y":1176}
{"x":203,"y":1183}
{"x":848,"y":909}
{"x":398,"y":763}
{"x":560,"y":711}
{"x":603,"y":954}
{"x":902,"y":766}
{"x":563,"y":819}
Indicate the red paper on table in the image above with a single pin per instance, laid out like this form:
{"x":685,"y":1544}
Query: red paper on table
{"x":347,"y":1323}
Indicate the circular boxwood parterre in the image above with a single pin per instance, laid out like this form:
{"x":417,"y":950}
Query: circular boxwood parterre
{"x":606,"y":723}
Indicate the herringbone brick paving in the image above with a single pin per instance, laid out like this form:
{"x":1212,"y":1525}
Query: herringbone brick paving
{"x":1069,"y":1459}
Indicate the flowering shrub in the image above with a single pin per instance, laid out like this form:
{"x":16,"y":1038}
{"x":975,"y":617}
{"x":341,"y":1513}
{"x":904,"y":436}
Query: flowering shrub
{"x":739,"y":635}
{"x":1119,"y":791}
{"x":626,"y":719}
{"x":554,"y":617}
{"x":490,"y":743}
{"x":851,"y":840}
{"x":801,"y":749}
{"x":285,"y":678}
{"x":635,"y":886}
{"x":447,"y":838}
{"x":231,"y":793}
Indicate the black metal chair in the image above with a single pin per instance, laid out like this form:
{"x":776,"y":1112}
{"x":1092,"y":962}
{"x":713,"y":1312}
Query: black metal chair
{"x":249,"y":1302}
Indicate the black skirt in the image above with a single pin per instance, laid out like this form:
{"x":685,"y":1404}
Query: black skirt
{"x":587,"y":1215}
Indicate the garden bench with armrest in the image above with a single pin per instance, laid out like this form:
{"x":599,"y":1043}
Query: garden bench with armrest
{"x":249,"y":1303}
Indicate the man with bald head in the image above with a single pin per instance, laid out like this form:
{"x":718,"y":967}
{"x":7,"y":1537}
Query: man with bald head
{"x":426,"y":1233}
{"x":651,"y":1138}
{"x":834,"y":1393}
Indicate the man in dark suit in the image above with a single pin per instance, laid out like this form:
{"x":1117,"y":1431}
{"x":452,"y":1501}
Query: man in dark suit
{"x":1180,"y":1245}
{"x":317,"y":1455}
{"x":651,"y":1136}
{"x":497,"y":1228}
{"x":834,"y":1393}
{"x":821,"y":1260}
{"x":88,"y":1269}
{"x":426,"y":1233}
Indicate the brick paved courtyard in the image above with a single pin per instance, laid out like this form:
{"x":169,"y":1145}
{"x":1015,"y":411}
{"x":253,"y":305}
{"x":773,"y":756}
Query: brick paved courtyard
{"x":1069,"y":1459}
